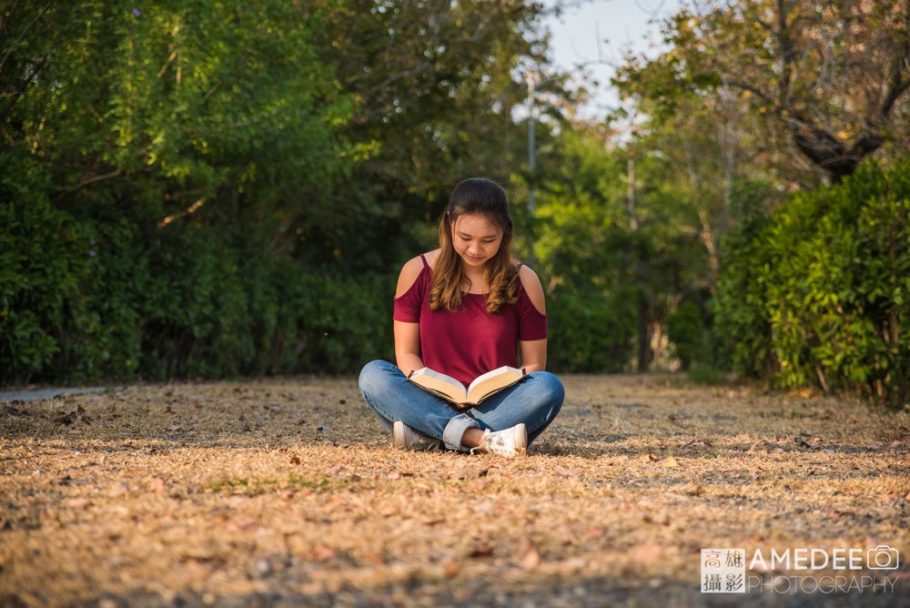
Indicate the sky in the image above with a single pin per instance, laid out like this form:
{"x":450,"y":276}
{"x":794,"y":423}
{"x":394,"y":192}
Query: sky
{"x":618,"y":25}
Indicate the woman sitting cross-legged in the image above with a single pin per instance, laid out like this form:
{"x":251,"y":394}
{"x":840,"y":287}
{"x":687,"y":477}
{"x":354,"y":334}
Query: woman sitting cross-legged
{"x":464,"y":309}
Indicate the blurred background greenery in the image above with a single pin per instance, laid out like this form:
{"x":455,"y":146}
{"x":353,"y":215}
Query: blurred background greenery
{"x":213,"y":189}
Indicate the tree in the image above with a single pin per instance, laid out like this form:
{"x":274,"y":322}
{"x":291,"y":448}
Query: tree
{"x":176,"y":110}
{"x":624,"y":243}
{"x":153,"y":162}
{"x":437,"y":83}
{"x":832,"y":75}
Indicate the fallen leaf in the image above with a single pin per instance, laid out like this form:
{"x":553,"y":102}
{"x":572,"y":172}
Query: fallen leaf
{"x":321,"y":553}
{"x":450,"y":568}
{"x":595,"y":533}
{"x":481,"y":550}
{"x":470,"y":472}
{"x":648,"y":553}
{"x":531,"y":559}
{"x":118,"y":489}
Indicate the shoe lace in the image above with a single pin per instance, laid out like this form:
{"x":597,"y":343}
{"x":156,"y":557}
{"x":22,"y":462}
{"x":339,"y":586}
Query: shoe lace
{"x":424,"y":442}
{"x":495,"y":443}
{"x":418,"y":441}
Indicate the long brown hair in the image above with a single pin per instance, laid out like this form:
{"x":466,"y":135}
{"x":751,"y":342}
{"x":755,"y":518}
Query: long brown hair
{"x":483,"y":197}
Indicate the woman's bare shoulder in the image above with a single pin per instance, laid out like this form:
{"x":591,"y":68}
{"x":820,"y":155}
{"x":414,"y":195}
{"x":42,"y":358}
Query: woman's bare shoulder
{"x":411,"y":270}
{"x":532,"y":286}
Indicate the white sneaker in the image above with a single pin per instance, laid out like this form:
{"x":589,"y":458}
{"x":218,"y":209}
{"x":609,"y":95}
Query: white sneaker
{"x":407,"y":438}
{"x":510,"y":442}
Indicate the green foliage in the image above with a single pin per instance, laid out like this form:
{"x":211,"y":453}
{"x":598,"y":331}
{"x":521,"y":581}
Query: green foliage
{"x":438,"y":84}
{"x":741,"y":321}
{"x":760,"y":69}
{"x":818,"y":294}
{"x":162,"y":168}
{"x":686,"y":329}
{"x":80,"y":302}
{"x":38,"y":279}
{"x":590,"y":333}
{"x":607,"y":273}
{"x":705,"y":374}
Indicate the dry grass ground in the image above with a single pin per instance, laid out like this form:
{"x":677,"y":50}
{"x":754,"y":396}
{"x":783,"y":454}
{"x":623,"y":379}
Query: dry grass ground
{"x":287,"y":492}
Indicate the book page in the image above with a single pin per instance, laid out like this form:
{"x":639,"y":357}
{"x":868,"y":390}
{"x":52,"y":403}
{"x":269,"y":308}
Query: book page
{"x":493,"y":381}
{"x":439,"y":383}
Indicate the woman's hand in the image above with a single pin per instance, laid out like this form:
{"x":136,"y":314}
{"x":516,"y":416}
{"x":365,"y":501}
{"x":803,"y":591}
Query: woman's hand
{"x":462,"y":406}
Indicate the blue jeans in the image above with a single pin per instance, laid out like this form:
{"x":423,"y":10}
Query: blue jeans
{"x":535,"y":400}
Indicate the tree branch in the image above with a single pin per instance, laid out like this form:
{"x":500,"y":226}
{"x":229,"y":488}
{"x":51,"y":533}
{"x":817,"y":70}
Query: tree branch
{"x":22,"y":35}
{"x":782,"y":34}
{"x":90,"y":180}
{"x":21,"y":91}
{"x":895,"y":85}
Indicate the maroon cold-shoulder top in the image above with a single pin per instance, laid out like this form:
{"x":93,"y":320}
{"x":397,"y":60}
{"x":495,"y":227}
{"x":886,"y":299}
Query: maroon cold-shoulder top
{"x":470,"y":341}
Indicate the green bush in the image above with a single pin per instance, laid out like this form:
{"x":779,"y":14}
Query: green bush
{"x":44,"y":261}
{"x":82,"y":302}
{"x":741,"y":324}
{"x":705,"y":374}
{"x":123,"y":117}
{"x":686,"y":329}
{"x":818,"y":294}
{"x":590,"y":333}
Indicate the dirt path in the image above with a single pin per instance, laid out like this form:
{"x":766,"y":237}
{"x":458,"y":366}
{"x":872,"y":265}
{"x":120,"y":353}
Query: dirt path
{"x":287,"y":492}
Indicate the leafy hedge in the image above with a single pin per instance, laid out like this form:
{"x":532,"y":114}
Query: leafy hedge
{"x":590,"y":333}
{"x":84,"y":301}
{"x":121,"y":117}
{"x":819,"y":292}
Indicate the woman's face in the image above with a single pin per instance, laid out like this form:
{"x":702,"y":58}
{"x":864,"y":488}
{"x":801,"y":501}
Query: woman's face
{"x":476,"y":239}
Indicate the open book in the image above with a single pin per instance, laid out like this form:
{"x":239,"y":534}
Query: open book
{"x":482,"y":387}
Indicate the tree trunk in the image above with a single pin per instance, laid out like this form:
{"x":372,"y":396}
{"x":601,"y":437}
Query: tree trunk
{"x":644,"y":335}
{"x":832,"y":155}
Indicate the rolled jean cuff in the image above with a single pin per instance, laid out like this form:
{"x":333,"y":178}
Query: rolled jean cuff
{"x":455,"y":430}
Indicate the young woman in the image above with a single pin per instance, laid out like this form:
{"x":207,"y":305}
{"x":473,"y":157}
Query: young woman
{"x":465,"y":309}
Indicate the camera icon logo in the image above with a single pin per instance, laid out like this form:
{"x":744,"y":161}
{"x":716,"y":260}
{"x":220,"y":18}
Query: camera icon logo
{"x":882,"y":557}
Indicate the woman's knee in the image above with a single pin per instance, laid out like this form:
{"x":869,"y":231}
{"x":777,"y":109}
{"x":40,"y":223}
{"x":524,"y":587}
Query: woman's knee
{"x":373,"y":375}
{"x":550,"y":390}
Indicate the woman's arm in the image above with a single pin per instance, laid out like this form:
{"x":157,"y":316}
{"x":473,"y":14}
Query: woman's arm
{"x":407,"y":335}
{"x":533,"y":355}
{"x":533,"y":352}
{"x":407,"y":347}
